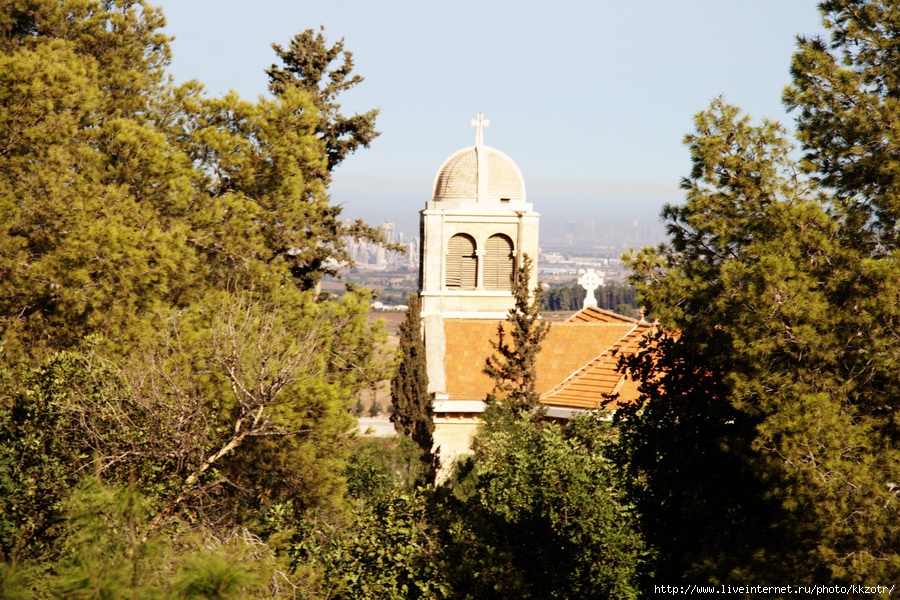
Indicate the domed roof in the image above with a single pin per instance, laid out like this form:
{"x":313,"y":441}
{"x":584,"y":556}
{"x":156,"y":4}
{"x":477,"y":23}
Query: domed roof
{"x":479,"y":173}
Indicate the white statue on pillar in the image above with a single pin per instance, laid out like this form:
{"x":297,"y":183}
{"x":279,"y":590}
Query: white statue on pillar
{"x":590,"y":281}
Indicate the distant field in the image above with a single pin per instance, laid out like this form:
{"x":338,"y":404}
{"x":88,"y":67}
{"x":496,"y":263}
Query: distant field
{"x":382,"y":395}
{"x":391,"y":319}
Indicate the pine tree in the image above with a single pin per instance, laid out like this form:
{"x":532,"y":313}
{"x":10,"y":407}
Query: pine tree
{"x":308,"y":70}
{"x":413,"y":411}
{"x":512,"y":367}
{"x":307,"y":65}
{"x":90,"y":192}
{"x":844,"y":91}
{"x":767,"y":439}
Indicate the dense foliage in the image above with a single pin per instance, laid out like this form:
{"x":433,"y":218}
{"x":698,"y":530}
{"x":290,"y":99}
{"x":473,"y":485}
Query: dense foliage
{"x":163,"y":343}
{"x":307,"y":65}
{"x":538,"y":512}
{"x":767,"y":445}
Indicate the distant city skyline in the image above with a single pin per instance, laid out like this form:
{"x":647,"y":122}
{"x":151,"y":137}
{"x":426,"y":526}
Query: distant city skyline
{"x":591,"y":99}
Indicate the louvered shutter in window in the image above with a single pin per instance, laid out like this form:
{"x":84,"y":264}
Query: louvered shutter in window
{"x":498,"y":263}
{"x":461,"y":262}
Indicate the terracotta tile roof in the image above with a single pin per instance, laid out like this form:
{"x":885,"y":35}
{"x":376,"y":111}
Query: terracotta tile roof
{"x":576,"y":365}
{"x":571,"y":346}
{"x":591,"y":385}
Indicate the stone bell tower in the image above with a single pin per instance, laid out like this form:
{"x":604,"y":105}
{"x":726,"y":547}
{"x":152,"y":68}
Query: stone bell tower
{"x":474,"y":232}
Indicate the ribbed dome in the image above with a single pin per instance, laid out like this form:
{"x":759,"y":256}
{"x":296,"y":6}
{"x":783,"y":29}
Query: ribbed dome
{"x":481,"y":174}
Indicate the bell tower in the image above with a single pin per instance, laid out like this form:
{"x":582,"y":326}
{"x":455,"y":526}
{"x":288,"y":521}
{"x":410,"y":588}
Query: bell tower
{"x":474,"y":232}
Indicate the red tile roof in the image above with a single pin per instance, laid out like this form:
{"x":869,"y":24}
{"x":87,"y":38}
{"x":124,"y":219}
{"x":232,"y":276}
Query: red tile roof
{"x":591,"y":385}
{"x":576,"y":366}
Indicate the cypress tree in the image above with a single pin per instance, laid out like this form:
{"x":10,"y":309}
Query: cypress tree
{"x":512,"y":367}
{"x":413,"y":409}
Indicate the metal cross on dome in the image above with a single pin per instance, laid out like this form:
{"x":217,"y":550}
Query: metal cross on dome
{"x":480,"y":122}
{"x":590,"y":281}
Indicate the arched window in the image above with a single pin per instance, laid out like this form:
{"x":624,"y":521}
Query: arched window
{"x":462,"y":264}
{"x":498,"y":263}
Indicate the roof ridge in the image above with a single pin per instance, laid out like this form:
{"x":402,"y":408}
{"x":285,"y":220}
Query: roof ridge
{"x":603,"y":311}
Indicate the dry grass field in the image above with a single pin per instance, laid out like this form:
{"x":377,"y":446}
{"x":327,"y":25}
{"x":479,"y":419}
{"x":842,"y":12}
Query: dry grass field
{"x":382,"y":392}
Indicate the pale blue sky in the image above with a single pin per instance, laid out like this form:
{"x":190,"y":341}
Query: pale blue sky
{"x":591,"y":99}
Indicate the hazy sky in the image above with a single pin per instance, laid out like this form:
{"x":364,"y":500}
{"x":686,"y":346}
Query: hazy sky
{"x":590,"y":98}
